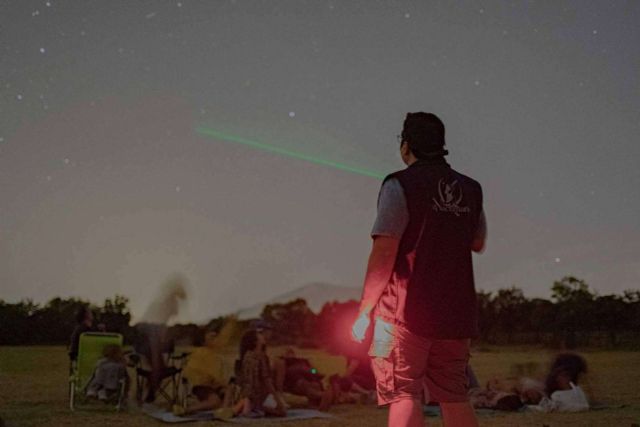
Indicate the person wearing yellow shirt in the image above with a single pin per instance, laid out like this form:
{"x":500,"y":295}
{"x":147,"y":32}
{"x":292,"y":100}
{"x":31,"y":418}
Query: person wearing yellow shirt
{"x":205,"y":372}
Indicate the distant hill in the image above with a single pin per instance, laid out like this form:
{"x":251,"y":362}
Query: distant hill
{"x":316,"y":295}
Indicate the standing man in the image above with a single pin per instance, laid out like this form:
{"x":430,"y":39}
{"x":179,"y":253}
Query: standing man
{"x":419,"y":287}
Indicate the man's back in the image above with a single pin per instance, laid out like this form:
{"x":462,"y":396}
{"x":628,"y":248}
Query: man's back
{"x":434,"y":262}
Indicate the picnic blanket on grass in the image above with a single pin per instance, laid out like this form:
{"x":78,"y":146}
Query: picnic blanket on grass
{"x":434,"y":411}
{"x":165,"y":416}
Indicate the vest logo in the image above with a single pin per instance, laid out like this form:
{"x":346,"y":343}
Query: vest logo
{"x":450,"y":197}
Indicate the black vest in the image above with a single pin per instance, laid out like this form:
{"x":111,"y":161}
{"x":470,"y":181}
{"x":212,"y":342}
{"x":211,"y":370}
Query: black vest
{"x":431,"y":291}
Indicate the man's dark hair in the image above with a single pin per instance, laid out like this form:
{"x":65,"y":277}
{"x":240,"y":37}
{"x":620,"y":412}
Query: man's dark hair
{"x":81,"y":314}
{"x":569,"y":364}
{"x":424,"y":132}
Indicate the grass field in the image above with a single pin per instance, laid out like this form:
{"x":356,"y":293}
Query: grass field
{"x":33,"y":387}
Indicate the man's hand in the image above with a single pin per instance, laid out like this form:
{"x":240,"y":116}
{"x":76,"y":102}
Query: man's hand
{"x":379,"y":269}
{"x":360,"y":326}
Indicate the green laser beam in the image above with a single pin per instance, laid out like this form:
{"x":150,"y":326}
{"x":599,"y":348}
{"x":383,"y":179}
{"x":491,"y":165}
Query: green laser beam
{"x":284,"y":152}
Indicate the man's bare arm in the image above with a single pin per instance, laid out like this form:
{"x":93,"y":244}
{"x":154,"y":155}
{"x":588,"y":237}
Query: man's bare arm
{"x":480,"y":238}
{"x":379,"y":269}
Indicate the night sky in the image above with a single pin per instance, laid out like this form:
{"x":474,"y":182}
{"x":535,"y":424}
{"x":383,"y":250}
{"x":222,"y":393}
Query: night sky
{"x":106,"y":187}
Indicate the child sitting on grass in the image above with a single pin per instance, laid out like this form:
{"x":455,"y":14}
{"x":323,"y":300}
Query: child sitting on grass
{"x":110,"y":374}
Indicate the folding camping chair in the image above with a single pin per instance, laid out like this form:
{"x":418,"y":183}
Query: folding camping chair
{"x":81,"y":370}
{"x":171,"y":386}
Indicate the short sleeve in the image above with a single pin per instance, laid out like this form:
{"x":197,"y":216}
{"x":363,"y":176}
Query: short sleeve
{"x":393,"y":215}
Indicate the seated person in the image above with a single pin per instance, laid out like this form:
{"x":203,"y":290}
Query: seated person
{"x":205,"y":371}
{"x":255,"y":379}
{"x":561,"y":386}
{"x":297,"y":376}
{"x":110,"y":373}
{"x":566,"y":368}
{"x":153,"y":341}
{"x":84,"y":323}
{"x":358,"y":384}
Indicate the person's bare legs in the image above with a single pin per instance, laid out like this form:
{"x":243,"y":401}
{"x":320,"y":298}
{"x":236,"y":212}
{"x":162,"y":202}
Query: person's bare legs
{"x":458,"y":414}
{"x":229,"y":396}
{"x":314,"y":393}
{"x":406,"y":413}
{"x":211,"y":402}
{"x":280,"y":369}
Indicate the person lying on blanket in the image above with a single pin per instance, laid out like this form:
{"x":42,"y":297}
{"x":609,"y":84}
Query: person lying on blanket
{"x":499,"y":394}
{"x":205,"y":373}
{"x":559,"y":393}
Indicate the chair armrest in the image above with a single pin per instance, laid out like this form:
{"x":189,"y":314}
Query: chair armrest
{"x":133,"y":358}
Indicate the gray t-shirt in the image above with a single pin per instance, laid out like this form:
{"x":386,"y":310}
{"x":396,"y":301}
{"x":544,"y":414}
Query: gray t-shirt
{"x":393,"y":214}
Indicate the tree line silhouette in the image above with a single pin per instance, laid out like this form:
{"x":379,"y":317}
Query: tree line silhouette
{"x":574,"y":316}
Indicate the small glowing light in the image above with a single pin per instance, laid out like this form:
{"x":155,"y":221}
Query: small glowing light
{"x":557,"y":259}
{"x":407,"y":15}
{"x":42,"y":50}
{"x":48,"y":4}
{"x":292,"y":113}
{"x":477,"y":83}
{"x":177,"y":189}
{"x":595,"y":31}
{"x":66,"y":161}
{"x":19,"y":97}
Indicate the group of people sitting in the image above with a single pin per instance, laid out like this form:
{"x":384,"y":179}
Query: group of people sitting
{"x":255,"y":387}
{"x":257,"y":384}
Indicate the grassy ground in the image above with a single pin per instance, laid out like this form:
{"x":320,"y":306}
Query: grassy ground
{"x":33,"y":387}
